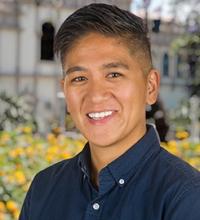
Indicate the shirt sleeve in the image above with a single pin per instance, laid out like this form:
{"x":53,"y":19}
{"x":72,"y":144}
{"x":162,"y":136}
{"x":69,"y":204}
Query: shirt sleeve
{"x":186,"y":207}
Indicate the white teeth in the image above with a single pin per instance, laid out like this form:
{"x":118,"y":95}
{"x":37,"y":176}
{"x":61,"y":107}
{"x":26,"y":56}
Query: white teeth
{"x":99,"y":115}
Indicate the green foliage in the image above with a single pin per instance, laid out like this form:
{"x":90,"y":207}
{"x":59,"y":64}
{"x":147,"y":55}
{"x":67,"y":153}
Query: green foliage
{"x":180,"y":117}
{"x":188,"y":47}
{"x":15,"y":111}
{"x":187,"y":41}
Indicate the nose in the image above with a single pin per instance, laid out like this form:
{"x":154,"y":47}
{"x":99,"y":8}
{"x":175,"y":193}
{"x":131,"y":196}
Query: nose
{"x":98,"y":92}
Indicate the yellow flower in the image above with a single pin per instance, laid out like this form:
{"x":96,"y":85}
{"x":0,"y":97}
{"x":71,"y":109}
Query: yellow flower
{"x":19,"y":151}
{"x":172,"y":147}
{"x":5,"y":137}
{"x":65,"y":155}
{"x":53,"y":150}
{"x":51,"y":138}
{"x":2,"y":216}
{"x":164,"y":144}
{"x":2,"y":207}
{"x":174,"y":151}
{"x":30,"y":151}
{"x":50,"y":158}
{"x":13,"y":153}
{"x":182,"y":134}
{"x":16,"y":214}
{"x":10,"y":179}
{"x":194,"y":161}
{"x":39,"y":146}
{"x":20,"y":177}
{"x":27,"y":130}
{"x":26,"y":186}
{"x":172,"y":143}
{"x":197,"y":149}
{"x":11,"y":206}
{"x":185,"y":145}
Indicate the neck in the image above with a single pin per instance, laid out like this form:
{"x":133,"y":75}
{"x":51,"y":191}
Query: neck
{"x":101,"y":156}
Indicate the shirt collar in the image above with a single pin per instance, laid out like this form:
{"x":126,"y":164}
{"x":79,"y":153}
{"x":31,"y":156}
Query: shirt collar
{"x":84,"y":160}
{"x":127,"y":164}
{"x":132,"y":160}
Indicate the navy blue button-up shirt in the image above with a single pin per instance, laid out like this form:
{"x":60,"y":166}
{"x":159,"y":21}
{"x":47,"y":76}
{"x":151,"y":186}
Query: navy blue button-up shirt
{"x":145,"y":183}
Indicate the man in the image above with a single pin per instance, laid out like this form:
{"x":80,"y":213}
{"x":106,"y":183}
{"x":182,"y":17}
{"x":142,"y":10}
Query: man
{"x":122,"y":172}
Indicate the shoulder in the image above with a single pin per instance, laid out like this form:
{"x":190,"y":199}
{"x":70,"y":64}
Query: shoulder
{"x":183,"y":192}
{"x":180,"y":176}
{"x":58,"y":171}
{"x":47,"y":184}
{"x":182,"y":169}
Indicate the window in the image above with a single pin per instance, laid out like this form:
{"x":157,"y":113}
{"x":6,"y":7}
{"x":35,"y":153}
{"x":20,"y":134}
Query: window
{"x":178,"y":65}
{"x":47,"y":42}
{"x":165,"y":65}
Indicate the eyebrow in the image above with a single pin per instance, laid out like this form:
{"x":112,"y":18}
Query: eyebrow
{"x":104,"y":66}
{"x":74,"y":69}
{"x":115,"y":65}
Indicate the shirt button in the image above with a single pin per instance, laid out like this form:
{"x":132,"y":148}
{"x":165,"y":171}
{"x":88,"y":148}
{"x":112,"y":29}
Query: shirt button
{"x":121,"y":181}
{"x":96,"y":206}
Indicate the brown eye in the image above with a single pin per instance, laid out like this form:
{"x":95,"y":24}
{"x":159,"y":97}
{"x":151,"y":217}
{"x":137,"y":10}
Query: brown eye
{"x":114,"y":75}
{"x":79,"y":79}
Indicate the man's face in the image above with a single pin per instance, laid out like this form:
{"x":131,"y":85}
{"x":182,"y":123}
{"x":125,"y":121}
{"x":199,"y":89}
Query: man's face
{"x":106,"y":91}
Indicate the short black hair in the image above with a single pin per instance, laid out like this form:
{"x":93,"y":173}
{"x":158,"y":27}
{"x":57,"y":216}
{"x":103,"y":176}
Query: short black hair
{"x":108,"y":20}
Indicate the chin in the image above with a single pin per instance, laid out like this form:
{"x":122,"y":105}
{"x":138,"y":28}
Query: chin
{"x":101,"y":141}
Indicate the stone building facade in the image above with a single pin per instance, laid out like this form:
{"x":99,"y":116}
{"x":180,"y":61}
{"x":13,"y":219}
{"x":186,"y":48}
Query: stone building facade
{"x":27,"y":66}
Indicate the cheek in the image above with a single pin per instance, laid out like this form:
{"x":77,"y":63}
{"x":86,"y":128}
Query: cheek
{"x":132,"y":93}
{"x":71,"y":101}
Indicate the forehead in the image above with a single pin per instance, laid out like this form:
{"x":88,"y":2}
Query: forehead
{"x":97,"y":39}
{"x":94,"y":45}
{"x":96,"y":52}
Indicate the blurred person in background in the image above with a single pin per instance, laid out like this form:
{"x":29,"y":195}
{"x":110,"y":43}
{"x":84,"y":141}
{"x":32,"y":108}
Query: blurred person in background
{"x":157,"y":113}
{"x":122,"y":173}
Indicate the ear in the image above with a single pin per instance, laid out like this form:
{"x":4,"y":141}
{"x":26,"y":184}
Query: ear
{"x":153,"y":84}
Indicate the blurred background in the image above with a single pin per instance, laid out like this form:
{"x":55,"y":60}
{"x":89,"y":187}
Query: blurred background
{"x":35,"y":129}
{"x":30,"y":73}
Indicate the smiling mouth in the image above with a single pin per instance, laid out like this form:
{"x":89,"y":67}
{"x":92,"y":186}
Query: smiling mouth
{"x":99,"y":115}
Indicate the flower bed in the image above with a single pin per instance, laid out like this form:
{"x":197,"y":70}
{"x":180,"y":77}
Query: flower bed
{"x":23,"y":154}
